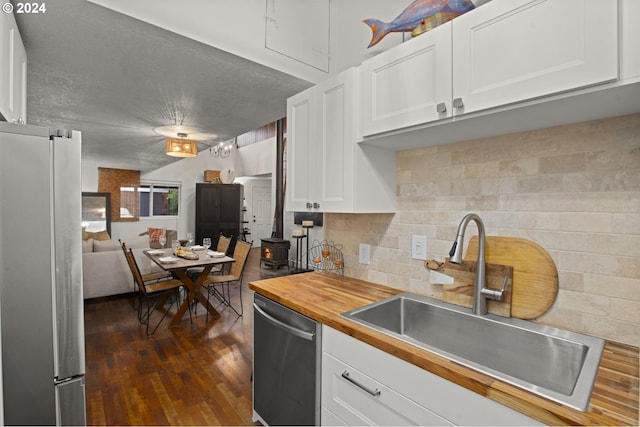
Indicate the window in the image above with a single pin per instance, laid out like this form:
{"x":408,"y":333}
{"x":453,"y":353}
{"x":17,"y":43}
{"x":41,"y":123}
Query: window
{"x":159,"y":199}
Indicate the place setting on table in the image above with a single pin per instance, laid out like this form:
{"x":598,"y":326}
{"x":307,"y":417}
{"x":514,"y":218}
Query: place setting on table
{"x":178,"y":259}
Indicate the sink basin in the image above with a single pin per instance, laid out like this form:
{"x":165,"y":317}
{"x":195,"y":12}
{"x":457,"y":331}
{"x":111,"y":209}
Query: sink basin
{"x":557,"y":364}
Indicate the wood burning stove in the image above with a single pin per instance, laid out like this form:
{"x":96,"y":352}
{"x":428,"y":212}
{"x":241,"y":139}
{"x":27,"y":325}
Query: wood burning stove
{"x":274,"y":252}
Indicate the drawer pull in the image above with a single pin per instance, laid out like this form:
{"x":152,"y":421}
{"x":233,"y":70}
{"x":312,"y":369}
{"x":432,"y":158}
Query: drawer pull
{"x":374,"y":393}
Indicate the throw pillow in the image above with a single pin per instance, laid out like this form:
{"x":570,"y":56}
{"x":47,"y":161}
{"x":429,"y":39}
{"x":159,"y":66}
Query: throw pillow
{"x":154,"y":234}
{"x":99,"y":235}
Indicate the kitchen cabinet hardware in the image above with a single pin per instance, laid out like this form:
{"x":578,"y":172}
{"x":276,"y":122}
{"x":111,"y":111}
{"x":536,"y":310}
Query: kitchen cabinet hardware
{"x":441,"y":107}
{"x":457,"y":103}
{"x":347,"y":377}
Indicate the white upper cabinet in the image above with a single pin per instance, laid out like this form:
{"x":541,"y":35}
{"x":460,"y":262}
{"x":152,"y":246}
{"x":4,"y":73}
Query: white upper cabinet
{"x":501,"y":53}
{"x":327,"y":171}
{"x":302,"y":150}
{"x":409,"y":84}
{"x":512,"y":50}
{"x":630,"y":39}
{"x":13,"y":71}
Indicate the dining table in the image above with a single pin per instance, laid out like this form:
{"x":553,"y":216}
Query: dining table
{"x":179,"y":267}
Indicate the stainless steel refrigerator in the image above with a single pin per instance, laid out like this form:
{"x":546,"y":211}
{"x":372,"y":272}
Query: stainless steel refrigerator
{"x":41,"y":302}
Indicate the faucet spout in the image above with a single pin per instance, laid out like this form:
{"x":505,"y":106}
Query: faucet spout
{"x":480,"y":293}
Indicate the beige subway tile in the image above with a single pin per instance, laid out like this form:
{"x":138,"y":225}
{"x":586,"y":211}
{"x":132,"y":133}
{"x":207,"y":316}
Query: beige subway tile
{"x":562,"y":318}
{"x":614,"y":160}
{"x":614,"y":244}
{"x":629,"y":311}
{"x":566,"y":163}
{"x":481,"y":170}
{"x":584,"y":303}
{"x":482,"y":203}
{"x":626,"y":267}
{"x":612,"y":286}
{"x":507,"y":185}
{"x":621,"y":202}
{"x":519,"y":167}
{"x":538,"y":220}
{"x":612,"y":329}
{"x":597,"y":222}
{"x":540,"y":184}
{"x":626,"y":223}
{"x":519,"y":202}
{"x":617,"y":180}
{"x":573,"y":281}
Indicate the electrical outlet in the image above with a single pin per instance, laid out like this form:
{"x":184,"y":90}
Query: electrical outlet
{"x":419,"y":247}
{"x":364,"y":254}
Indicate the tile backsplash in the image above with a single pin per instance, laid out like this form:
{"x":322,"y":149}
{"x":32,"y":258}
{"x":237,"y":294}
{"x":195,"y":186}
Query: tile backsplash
{"x":574,"y":190}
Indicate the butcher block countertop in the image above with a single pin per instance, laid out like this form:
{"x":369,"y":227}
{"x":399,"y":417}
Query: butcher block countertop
{"x":323,"y":297}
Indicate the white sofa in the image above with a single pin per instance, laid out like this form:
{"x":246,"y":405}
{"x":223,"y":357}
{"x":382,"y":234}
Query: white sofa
{"x":105,"y":270}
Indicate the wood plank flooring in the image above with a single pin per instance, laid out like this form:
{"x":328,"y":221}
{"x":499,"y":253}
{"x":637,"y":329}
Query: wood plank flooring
{"x":195,"y":374}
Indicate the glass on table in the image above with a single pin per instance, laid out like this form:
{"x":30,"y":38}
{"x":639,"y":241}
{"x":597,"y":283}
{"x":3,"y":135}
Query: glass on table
{"x":190,"y":238}
{"x":206,"y":242}
{"x":162,"y":240}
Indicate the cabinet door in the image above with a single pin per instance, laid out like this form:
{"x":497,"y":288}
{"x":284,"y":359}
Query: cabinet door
{"x":218,"y":210}
{"x":409,"y":84}
{"x":512,"y":50}
{"x":357,"y":399}
{"x":419,"y":396}
{"x":336,"y":142}
{"x":18,"y":88}
{"x":13,"y":70}
{"x":302,"y":155}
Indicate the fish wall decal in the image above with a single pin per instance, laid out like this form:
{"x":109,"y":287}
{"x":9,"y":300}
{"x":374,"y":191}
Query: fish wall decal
{"x":417,"y":13}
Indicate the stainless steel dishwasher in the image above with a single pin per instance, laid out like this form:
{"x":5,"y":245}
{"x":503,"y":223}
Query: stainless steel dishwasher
{"x":286,"y":365}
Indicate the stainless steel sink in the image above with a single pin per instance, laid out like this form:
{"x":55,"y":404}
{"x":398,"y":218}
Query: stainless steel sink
{"x":557,"y":364}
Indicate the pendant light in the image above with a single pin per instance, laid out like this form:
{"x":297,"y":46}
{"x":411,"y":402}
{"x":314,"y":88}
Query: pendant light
{"x":182,"y":147}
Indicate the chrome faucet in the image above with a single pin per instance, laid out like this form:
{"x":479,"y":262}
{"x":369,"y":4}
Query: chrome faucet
{"x":481,"y":292}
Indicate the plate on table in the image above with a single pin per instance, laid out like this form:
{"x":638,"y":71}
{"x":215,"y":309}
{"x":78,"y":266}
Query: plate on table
{"x":155,"y":252}
{"x":197,"y":248}
{"x":168,"y":260}
{"x":215,"y":254}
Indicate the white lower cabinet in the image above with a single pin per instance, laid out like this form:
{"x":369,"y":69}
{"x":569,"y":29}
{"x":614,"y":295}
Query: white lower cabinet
{"x":362,"y":385}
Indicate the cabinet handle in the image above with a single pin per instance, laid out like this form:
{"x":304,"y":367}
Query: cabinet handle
{"x":457,"y":103}
{"x":316,"y":205}
{"x":309,"y":205}
{"x":374,"y":393}
{"x":441,"y":107}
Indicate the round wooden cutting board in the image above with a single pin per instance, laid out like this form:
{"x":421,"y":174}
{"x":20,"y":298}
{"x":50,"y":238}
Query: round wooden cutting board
{"x":535,"y":277}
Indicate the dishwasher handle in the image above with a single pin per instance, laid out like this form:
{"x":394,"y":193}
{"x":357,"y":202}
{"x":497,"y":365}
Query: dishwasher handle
{"x":295,"y":331}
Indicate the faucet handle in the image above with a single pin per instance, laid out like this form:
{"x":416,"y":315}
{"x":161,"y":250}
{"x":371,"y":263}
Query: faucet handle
{"x":495,"y":294}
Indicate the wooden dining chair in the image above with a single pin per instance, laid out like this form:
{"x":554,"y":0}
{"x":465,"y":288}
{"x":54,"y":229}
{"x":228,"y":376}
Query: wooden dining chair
{"x":147,"y":278}
{"x":154,"y":294}
{"x":223,"y":246}
{"x":223,"y":281}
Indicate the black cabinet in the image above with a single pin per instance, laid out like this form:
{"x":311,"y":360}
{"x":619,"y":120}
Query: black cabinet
{"x":218,"y":211}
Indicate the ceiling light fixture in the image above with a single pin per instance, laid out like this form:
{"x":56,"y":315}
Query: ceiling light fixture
{"x":182,"y":147}
{"x":222,"y":150}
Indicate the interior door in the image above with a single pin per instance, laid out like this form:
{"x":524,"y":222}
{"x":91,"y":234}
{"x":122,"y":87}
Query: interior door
{"x":261,"y":221}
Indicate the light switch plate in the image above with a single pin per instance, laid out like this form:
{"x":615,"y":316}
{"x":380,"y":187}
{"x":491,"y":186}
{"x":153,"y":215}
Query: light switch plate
{"x":419,"y":247}
{"x":364,"y":254}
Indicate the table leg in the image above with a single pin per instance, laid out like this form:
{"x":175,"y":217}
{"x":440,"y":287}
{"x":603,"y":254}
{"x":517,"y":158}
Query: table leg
{"x":194,"y":293}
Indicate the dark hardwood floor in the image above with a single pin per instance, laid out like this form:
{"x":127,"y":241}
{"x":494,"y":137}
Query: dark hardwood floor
{"x":195,"y":374}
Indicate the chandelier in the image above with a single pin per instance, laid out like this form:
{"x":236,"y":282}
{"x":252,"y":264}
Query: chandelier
{"x":222,"y":150}
{"x":182,"y":147}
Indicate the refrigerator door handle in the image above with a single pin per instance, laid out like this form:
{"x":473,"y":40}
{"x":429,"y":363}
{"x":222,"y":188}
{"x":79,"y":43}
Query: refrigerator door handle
{"x":67,"y":257}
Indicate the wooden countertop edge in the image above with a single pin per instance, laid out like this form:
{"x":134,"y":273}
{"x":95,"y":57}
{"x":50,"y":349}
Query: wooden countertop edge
{"x":304,"y":292}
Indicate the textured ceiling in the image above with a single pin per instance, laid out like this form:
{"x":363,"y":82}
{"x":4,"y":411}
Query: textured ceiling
{"x":117,"y":79}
